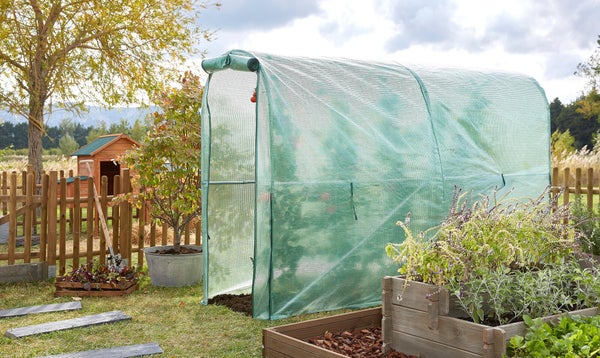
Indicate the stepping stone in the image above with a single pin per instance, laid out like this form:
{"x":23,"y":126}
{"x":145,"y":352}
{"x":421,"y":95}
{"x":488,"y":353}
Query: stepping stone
{"x":137,"y":350}
{"x":85,"y":321}
{"x":21,"y":311}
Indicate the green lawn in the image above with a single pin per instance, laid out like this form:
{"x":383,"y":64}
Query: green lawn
{"x":172,"y":317}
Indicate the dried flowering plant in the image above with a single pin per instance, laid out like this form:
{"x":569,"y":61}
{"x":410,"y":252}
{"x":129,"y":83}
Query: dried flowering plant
{"x":481,"y":251}
{"x":487,"y":235}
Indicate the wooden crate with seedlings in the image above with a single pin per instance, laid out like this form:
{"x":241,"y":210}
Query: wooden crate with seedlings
{"x":421,"y":319}
{"x":291,"y":340}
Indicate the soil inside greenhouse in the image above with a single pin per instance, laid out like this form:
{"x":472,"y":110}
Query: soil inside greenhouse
{"x":364,"y":343}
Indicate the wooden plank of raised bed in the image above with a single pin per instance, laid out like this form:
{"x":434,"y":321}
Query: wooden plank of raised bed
{"x":347,"y":321}
{"x":137,"y":350}
{"x":290,"y":340}
{"x":419,"y":293}
{"x":55,"y":307}
{"x":422,"y":347}
{"x":451,"y":331}
{"x":92,"y":320}
{"x":277,"y":345}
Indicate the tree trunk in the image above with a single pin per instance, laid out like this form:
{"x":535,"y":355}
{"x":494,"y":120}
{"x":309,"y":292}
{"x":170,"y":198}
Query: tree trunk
{"x":177,"y":238}
{"x":38,"y":94}
{"x":35,"y":133}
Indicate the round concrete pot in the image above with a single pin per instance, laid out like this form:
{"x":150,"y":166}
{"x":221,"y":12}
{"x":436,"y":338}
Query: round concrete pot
{"x":168,"y":270}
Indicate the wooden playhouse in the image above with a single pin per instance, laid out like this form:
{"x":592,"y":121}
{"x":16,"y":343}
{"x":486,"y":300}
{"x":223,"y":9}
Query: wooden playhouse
{"x":100,"y":158}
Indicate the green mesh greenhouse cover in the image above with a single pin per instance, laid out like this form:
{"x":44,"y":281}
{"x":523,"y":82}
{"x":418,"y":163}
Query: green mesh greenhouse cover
{"x":303,"y":184}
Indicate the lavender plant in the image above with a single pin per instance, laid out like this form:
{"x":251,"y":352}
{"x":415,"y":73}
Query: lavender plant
{"x":503,"y":296}
{"x":501,"y":258}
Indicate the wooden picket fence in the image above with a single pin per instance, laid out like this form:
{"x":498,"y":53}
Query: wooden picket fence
{"x":581,"y":183}
{"x":57,"y":221}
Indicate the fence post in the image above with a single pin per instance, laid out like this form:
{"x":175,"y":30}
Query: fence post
{"x":567,"y":190}
{"x":116,"y":210}
{"x":590,"y":189}
{"x":12,"y":224}
{"x":29,"y":215}
{"x":198,"y":228}
{"x":4,"y":186}
{"x":141,"y":233}
{"x":91,"y":221}
{"x":578,"y":182}
{"x":44,"y":219}
{"x":103,"y":200}
{"x":52,"y":207}
{"x":75,"y":216}
{"x":125,"y":217}
{"x":62,"y":222}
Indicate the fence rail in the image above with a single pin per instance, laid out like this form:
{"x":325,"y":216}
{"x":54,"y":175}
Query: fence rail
{"x":57,"y":221}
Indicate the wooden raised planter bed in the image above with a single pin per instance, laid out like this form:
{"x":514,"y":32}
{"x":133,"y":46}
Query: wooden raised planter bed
{"x":291,"y":340}
{"x":79,"y":289}
{"x":421,"y":319}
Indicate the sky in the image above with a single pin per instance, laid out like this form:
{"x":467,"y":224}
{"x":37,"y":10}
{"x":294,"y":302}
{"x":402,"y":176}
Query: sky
{"x":542,"y":39}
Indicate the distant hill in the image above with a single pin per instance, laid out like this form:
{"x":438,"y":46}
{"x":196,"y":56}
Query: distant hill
{"x":92,"y":118}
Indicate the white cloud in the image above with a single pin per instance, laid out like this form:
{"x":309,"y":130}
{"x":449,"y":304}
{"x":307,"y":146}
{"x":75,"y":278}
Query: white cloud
{"x":544,"y":40}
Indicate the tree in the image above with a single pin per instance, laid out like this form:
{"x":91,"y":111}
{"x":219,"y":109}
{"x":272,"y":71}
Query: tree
{"x":591,"y":68}
{"x":556,"y":107}
{"x":67,"y":144}
{"x":168,"y":162}
{"x":64,"y":53}
{"x":97,"y":131}
{"x":138,"y":131}
{"x":581,"y":128}
{"x":589,"y":105}
{"x":561,"y":144}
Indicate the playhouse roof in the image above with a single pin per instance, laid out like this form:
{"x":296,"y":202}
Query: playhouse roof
{"x":101,"y":143}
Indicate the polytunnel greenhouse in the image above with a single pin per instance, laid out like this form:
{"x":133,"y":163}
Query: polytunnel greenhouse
{"x":308,"y":164}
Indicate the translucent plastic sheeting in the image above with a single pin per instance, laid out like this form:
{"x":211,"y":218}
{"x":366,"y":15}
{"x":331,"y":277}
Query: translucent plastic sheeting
{"x":303,"y":189}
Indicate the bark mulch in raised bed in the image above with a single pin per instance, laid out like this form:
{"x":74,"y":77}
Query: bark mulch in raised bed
{"x":365,"y":343}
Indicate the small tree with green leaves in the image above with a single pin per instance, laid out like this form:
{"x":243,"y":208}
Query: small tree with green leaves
{"x":167,"y":164}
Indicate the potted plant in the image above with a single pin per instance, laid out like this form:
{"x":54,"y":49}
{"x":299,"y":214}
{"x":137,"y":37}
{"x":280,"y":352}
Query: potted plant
{"x":167,"y":165}
{"x":467,"y":284}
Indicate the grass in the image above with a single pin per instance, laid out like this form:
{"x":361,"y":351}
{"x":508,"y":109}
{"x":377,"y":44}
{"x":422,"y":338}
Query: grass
{"x":172,"y":317}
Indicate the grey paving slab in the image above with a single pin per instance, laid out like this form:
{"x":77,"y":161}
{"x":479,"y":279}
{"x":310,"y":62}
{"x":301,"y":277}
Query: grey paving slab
{"x":85,"y":321}
{"x":137,"y":350}
{"x":55,"y":307}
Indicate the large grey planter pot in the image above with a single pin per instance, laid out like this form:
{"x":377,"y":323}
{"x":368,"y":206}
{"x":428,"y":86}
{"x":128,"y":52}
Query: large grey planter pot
{"x":174,"y":270}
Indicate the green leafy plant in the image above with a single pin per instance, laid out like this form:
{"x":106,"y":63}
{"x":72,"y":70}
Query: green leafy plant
{"x":95,"y":272}
{"x":167,"y":164}
{"x":572,"y":336}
